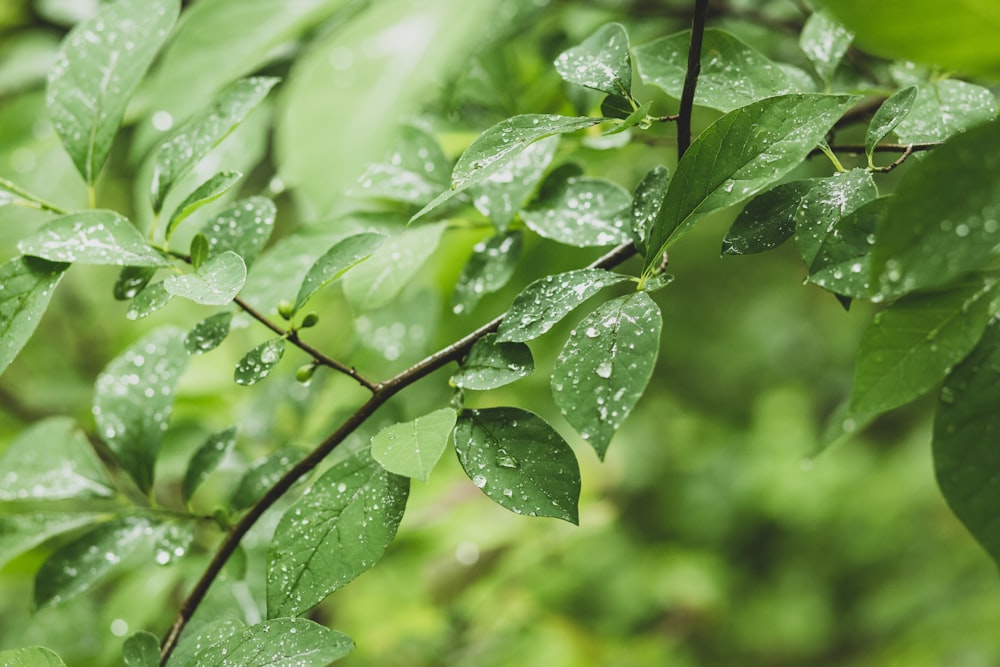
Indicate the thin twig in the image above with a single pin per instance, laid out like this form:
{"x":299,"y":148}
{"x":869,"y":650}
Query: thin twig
{"x":886,"y":169}
{"x":691,"y":77}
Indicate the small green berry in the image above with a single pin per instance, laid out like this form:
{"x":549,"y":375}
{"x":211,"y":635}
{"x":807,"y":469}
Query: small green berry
{"x":304,"y":373}
{"x":286,"y":309}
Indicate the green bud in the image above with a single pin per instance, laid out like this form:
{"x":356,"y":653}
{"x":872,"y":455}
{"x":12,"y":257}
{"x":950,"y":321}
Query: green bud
{"x":304,"y":373}
{"x":309,"y":320}
{"x":286,"y":309}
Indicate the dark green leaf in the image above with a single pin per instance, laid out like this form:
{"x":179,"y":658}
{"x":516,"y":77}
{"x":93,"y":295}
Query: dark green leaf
{"x":22,"y":532}
{"x":414,"y":172}
{"x":262,"y":475}
{"x":412,"y":449}
{"x":333,"y":534}
{"x":501,"y":196}
{"x":279,"y":642}
{"x":616,"y":106}
{"x":77,"y":566}
{"x":206,"y":459}
{"x":944,"y":108}
{"x":768,"y":220}
{"x":243,"y":228}
{"x":197,"y":636}
{"x":490,"y":364}
{"x":336,"y":261}
{"x":215,"y":283}
{"x":209,"y":333}
{"x":141,"y":650}
{"x":489,"y":268}
{"x":829,"y":200}
{"x":148,"y":301}
{"x":200,"y":250}
{"x":133,"y":399}
{"x":547,"y":300}
{"x":205,"y":193}
{"x":888,"y":116}
{"x":638,"y":117}
{"x":603,"y":369}
{"x":601,"y":62}
{"x":32,"y":656}
{"x":132,"y":280}
{"x":824,"y":41}
{"x":519,"y":462}
{"x":193,"y":139}
{"x":582,"y":211}
{"x":258,"y":363}
{"x":100,"y":63}
{"x":646,"y":202}
{"x":26,"y":285}
{"x":843,"y":263}
{"x":91,"y":237}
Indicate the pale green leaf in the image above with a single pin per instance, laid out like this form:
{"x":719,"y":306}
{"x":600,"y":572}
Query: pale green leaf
{"x":336,"y":261}
{"x":243,"y":228}
{"x":141,"y":650}
{"x":258,"y":363}
{"x":490,"y":364}
{"x":26,"y":285}
{"x":501,"y":195}
{"x":944,"y":108}
{"x":581,"y":211}
{"x":22,"y":532}
{"x":262,"y":475}
{"x":489,"y":268}
{"x":602,"y":62}
{"x":768,"y":220}
{"x":215,"y":283}
{"x":824,"y":41}
{"x":205,"y":193}
{"x":32,"y":656}
{"x":888,"y":116}
{"x":829,"y":200}
{"x":206,"y":459}
{"x":148,"y":301}
{"x":638,"y":117}
{"x":412,"y":449}
{"x":209,"y":333}
{"x":91,"y":237}
{"x":279,"y":642}
{"x":414,"y":173}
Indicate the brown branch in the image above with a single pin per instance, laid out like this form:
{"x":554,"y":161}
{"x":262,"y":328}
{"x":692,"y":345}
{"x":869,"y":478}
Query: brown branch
{"x":902,"y":158}
{"x":691,"y":77}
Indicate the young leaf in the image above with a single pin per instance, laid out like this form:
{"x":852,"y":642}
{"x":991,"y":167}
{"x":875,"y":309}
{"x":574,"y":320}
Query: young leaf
{"x":199,"y":251}
{"x":601,"y":62}
{"x":739,"y":155}
{"x":581,"y":211}
{"x":77,"y":566}
{"x":192,"y":140}
{"x":603,"y":369}
{"x":412,"y":449}
{"x":414,"y":172}
{"x":22,"y":532}
{"x":133,"y":399}
{"x":26,"y":285}
{"x":519,"y":462}
{"x":910,"y":346}
{"x":490,"y":364}
{"x":148,"y":301}
{"x":966,"y":458}
{"x":944,"y":108}
{"x":843,"y":263}
{"x":888,"y":116}
{"x":209,"y":333}
{"x":91,"y":237}
{"x":336,"y":261}
{"x":824,"y":41}
{"x":13,"y":195}
{"x":31,"y":656}
{"x":547,"y":300}
{"x":207,"y":459}
{"x":279,"y":641}
{"x":637,"y":117}
{"x":215,"y":283}
{"x":829,"y":200}
{"x":258,"y":363}
{"x":262,"y":475}
{"x":646,"y":202}
{"x":205,"y":193}
{"x":243,"y":228}
{"x":489,"y":268}
{"x":501,"y":195}
{"x":768,"y":220}
{"x":732,"y":74}
{"x":100,"y":63}
{"x":52,"y":460}
{"x":333,"y":534}
{"x":132,"y":280}
{"x":141,"y":650}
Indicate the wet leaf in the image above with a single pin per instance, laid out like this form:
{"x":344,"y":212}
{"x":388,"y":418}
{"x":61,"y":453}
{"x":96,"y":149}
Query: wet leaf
{"x":910,"y":346}
{"x":209,"y":333}
{"x":415,"y":171}
{"x":196,"y":637}
{"x":52,"y":460}
{"x":75,"y":567}
{"x":205,"y":193}
{"x":768,"y":220}
{"x":148,"y":301}
{"x":501,"y":196}
{"x":843,"y":263}
{"x":206,"y":459}
{"x":490,"y":364}
{"x":141,"y":650}
{"x":279,"y":642}
{"x":262,"y":475}
{"x":333,"y":533}
{"x":243,"y":228}
{"x":646,"y":202}
{"x":944,"y":108}
{"x":829,"y":200}
{"x":739,"y":155}
{"x":489,"y":268}
{"x":732,"y":74}
{"x":190,"y":142}
{"x":132,"y":280}
{"x":100,"y":63}
{"x":546,"y":301}
{"x":602,"y":62}
{"x":91,"y":237}
{"x":603,"y":369}
{"x":133,"y":399}
{"x":22,"y":532}
{"x":258,"y":363}
{"x":637,"y":117}
{"x":824,"y":41}
{"x":336,"y":261}
{"x":215,"y":283}
{"x":412,"y":449}
{"x":519,"y":462}
{"x":32,"y":656}
{"x":582,"y":211}
{"x":26,"y":285}
{"x":888,"y":116}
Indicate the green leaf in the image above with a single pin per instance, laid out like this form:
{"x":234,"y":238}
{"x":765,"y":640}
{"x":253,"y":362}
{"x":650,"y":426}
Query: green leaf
{"x":829,"y":200}
{"x":546,"y":301}
{"x":13,"y":195}
{"x":100,"y":63}
{"x":177,"y":154}
{"x":258,"y":363}
{"x":262,"y":475}
{"x":205,"y":193}
{"x":209,"y":333}
{"x":489,"y":268}
{"x":739,"y":155}
{"x":944,"y":108}
{"x":412,"y":449}
{"x":501,"y":195}
{"x":581,"y":211}
{"x":91,"y":237}
{"x":966,"y":421}
{"x":490,"y":364}
{"x":199,"y":250}
{"x":414,"y":172}
{"x":197,"y":636}
{"x":519,"y":462}
{"x":279,"y":642}
{"x":206,"y":459}
{"x":75,"y":568}
{"x":601,"y":62}
{"x":141,"y":650}
{"x":888,"y":116}
{"x":843,"y":263}
{"x":52,"y":460}
{"x":910,"y":346}
{"x":768,"y":220}
{"x":243,"y":228}
{"x":148,"y":301}
{"x":603,"y":369}
{"x":132,"y":280}
{"x":336,"y":261}
{"x":32,"y":656}
{"x":638,"y":117}
{"x":26,"y":285}
{"x":646,"y":202}
{"x":732,"y":74}
{"x":215,"y":283}
{"x":824,"y":41}
{"x":333,"y":534}
{"x":379,"y":279}
{"x":926,"y":241}
{"x":22,"y":532}
{"x":133,"y":399}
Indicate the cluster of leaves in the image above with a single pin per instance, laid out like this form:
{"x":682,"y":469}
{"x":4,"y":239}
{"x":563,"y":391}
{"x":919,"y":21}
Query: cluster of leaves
{"x":930,"y":259}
